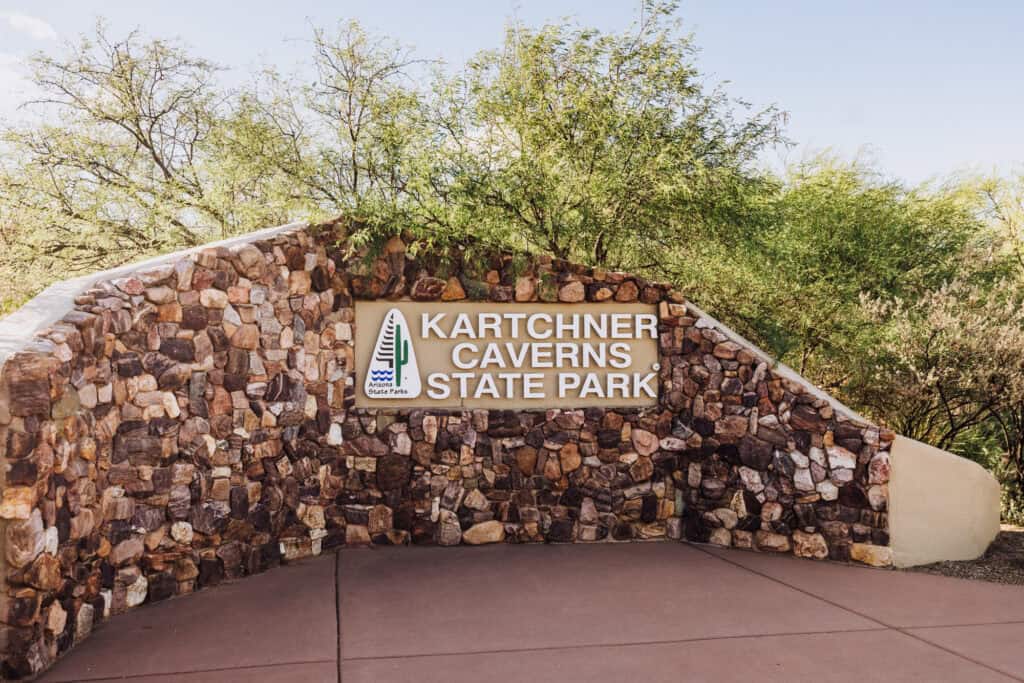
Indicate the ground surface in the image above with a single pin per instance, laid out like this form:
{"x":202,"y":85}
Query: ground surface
{"x":603,"y":612}
{"x":1003,"y":562}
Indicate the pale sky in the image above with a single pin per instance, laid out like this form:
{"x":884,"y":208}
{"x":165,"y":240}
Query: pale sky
{"x":925,"y":88}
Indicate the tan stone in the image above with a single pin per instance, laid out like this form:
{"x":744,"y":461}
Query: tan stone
{"x":238,"y":295}
{"x":357,"y":534}
{"x":874,"y":555}
{"x":169,"y":313}
{"x":727,"y":517}
{"x":380,"y":519}
{"x":298,"y":548}
{"x":721,"y":537}
{"x":160,"y":295}
{"x":448,"y":530}
{"x":526,"y":287}
{"x":83,"y":622}
{"x":484,"y":532}
{"x":809,"y":545}
{"x":56,"y":618}
{"x":313,"y":516}
{"x":742,"y":539}
{"x":182,"y":532}
{"x":88,"y":396}
{"x":213,"y":298}
{"x":475,"y":500}
{"x":771,"y":542}
{"x":299,"y":282}
{"x":17,"y":502}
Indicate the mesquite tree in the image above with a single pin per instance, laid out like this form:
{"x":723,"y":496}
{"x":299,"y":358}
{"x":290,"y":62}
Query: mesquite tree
{"x":604,"y":147}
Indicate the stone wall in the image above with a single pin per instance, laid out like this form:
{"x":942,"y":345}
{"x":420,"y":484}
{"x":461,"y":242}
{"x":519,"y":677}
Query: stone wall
{"x":193,"y":422}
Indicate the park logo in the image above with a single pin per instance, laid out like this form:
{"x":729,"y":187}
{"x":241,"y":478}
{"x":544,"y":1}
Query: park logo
{"x":392,"y":372}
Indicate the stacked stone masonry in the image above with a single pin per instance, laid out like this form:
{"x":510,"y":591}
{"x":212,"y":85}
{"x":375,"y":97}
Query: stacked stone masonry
{"x":194,"y":422}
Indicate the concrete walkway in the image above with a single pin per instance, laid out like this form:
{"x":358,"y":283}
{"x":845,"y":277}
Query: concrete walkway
{"x":607,"y":612}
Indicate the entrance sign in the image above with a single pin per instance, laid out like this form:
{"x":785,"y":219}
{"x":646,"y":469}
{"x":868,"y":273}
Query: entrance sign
{"x":489,"y":355}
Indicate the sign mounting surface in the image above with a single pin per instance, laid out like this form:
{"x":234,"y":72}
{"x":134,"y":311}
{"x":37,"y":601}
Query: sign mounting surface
{"x":487,"y":355}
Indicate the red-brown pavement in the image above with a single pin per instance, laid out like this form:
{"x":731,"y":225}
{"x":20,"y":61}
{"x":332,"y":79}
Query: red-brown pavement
{"x":604,"y":612}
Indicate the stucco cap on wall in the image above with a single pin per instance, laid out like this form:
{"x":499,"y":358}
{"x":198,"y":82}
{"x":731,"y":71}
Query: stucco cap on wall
{"x":17,"y":330}
{"x":941,"y":506}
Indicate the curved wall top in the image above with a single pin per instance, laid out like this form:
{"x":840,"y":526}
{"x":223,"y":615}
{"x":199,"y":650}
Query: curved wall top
{"x":192,"y":418}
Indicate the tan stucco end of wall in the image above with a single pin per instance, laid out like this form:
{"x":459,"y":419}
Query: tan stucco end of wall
{"x":941,"y":506}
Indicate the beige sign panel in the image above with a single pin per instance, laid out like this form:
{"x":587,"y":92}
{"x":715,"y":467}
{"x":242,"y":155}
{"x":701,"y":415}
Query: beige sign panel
{"x":486,"y":355}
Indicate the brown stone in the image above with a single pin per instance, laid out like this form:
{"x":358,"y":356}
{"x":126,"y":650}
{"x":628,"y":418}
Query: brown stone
{"x":644,"y":442}
{"x":453,"y":290}
{"x":552,"y":470}
{"x":627,"y":292}
{"x":181,"y":350}
{"x":44,"y":573}
{"x":526,"y":460}
{"x":246,"y":337}
{"x":393,"y":472}
{"x":572,"y":292}
{"x":806,"y":418}
{"x":569,"y":457}
{"x":642,"y":469}
{"x":127,"y":551}
{"x":194,"y":318}
{"x":726,"y":350}
{"x":428,"y":289}
{"x":28,"y":376}
{"x":731,"y":428}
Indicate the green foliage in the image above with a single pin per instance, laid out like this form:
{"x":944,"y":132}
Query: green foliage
{"x":587,"y":145}
{"x":606,"y":148}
